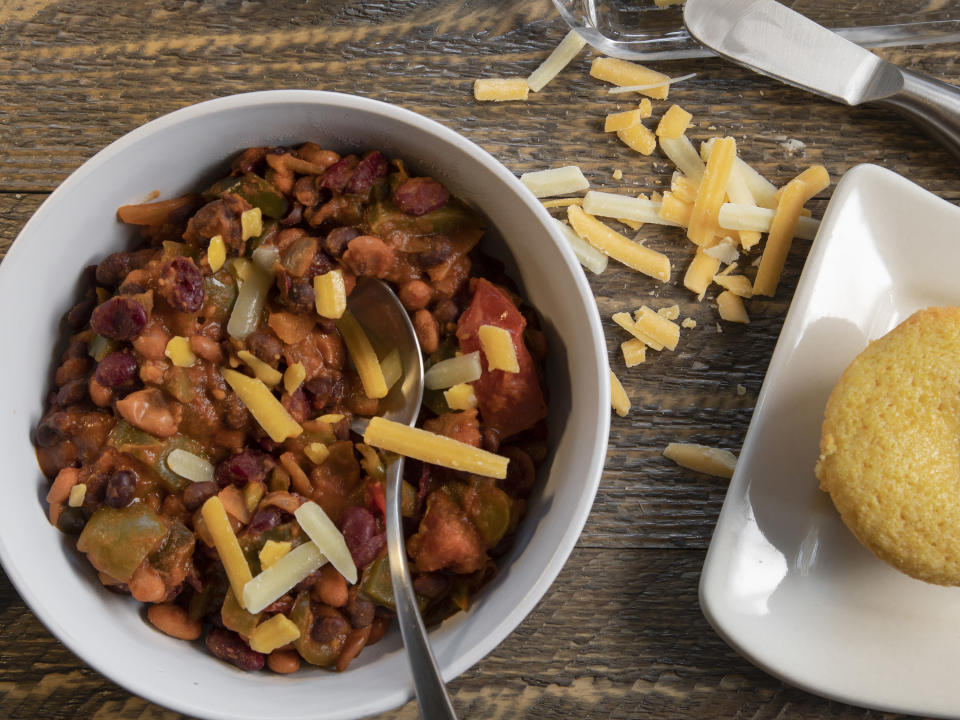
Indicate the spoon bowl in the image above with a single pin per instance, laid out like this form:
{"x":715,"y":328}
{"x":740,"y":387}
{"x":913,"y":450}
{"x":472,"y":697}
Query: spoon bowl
{"x":379,"y":311}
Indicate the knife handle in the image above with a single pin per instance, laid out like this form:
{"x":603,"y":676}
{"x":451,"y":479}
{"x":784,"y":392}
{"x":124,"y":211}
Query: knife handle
{"x":932,"y":104}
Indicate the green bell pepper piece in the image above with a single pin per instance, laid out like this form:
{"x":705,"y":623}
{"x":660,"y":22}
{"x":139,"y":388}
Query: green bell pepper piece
{"x":117,"y":540}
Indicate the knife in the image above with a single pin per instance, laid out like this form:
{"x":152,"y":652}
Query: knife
{"x":774,"y":40}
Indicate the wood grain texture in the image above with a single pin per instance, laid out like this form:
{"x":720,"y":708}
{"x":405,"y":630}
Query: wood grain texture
{"x":619,"y":634}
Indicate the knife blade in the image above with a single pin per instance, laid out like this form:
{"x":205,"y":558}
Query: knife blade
{"x":774,"y":40}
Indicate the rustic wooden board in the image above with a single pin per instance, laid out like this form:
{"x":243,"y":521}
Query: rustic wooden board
{"x":620,"y":634}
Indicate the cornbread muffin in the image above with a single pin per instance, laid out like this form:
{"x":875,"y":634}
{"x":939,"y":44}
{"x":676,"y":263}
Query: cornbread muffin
{"x":890,"y":446}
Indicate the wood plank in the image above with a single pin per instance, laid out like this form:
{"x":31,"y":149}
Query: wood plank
{"x":619,"y":635}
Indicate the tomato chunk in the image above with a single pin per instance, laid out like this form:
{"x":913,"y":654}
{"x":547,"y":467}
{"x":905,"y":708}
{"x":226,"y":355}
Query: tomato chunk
{"x":508,"y":402}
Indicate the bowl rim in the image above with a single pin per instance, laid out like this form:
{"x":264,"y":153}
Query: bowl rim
{"x":594,"y":334}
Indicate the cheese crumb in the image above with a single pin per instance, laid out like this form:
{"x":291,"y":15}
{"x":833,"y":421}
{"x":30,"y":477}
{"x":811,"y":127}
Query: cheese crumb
{"x":618,"y":174}
{"x":702,"y":458}
{"x":670,"y":313}
{"x":741,"y":390}
{"x":501,"y":89}
{"x":688,"y":323}
{"x":77,"y":494}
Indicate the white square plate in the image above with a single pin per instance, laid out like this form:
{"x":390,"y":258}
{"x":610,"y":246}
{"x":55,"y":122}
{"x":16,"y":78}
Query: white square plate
{"x":785,"y":583}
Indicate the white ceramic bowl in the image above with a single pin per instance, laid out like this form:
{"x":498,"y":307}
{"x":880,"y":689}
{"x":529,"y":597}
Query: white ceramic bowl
{"x":76,"y":227}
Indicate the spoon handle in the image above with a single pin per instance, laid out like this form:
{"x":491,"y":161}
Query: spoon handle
{"x":431,"y":693}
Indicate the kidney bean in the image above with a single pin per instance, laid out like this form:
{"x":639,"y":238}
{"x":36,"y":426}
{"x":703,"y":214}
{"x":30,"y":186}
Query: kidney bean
{"x":420,"y":195}
{"x":117,"y":369}
{"x":370,"y":550}
{"x":131,"y":288}
{"x":337,"y":239}
{"x":174,"y":621}
{"x":326,"y":629}
{"x":120,"y":488}
{"x":337,"y":176}
{"x":181,"y":285}
{"x":119,"y":318}
{"x":360,"y":609}
{"x":264,"y":519}
{"x":371,"y":168}
{"x":246,"y":466}
{"x":357,"y":524}
{"x":283,"y":661}
{"x":282,"y":604}
{"x":427,"y":331}
{"x":369,"y":255}
{"x":73,"y":392}
{"x":231,"y":648}
{"x":196,"y":494}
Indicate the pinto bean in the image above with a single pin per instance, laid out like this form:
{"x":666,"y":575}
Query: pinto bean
{"x":152,"y":342}
{"x":101,"y":396}
{"x":146,"y":585}
{"x":331,"y":588}
{"x":445,"y":311}
{"x":282,"y":181}
{"x":250,"y":160}
{"x":428,"y":333}
{"x":119,"y":318}
{"x":354,"y":643}
{"x":420,"y":195}
{"x":369,"y":255}
{"x":149,"y":410}
{"x":174,"y":621}
{"x":415,"y":294}
{"x":231,"y":648}
{"x":283,"y":661}
{"x":205,"y":347}
{"x":72,"y":368}
{"x":327,"y":629}
{"x":360,"y":609}
{"x":313,"y":153}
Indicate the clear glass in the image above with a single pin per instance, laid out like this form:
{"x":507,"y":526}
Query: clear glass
{"x":639,"y":30}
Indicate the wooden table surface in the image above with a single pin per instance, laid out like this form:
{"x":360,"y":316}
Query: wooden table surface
{"x":620,"y":633}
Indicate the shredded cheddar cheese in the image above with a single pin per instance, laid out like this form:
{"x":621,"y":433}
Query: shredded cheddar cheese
{"x":618,"y":396}
{"x":331,"y":294}
{"x":216,"y":252}
{"x":498,"y":349}
{"x":500,"y":89}
{"x":264,"y":407}
{"x":364,"y":358}
{"x":179,"y":352}
{"x":432,"y":448}
{"x":225,"y":542}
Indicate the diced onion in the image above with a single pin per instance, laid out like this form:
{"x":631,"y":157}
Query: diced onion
{"x":190,"y":466}
{"x":447,"y":373}
{"x":251,"y":298}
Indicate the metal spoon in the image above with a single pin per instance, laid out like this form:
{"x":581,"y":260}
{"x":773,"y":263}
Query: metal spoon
{"x":378,"y":310}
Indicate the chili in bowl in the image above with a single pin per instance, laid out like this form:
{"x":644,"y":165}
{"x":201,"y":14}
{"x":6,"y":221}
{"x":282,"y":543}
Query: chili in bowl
{"x":198,"y":430}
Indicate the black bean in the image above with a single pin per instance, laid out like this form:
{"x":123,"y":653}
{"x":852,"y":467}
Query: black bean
{"x":196,"y":494}
{"x":114,"y":268}
{"x":120,"y":488}
{"x":246,"y":466}
{"x":337,"y":240}
{"x":71,"y":521}
{"x":47,"y":435}
{"x":80,"y":313}
{"x":73,"y":392}
{"x":433,"y":256}
{"x":264,"y":519}
{"x":360,"y":609}
{"x":326,"y":629}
